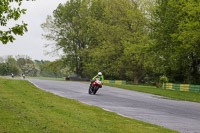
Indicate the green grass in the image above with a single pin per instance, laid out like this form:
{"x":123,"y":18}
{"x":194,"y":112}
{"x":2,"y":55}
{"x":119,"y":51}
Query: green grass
{"x":29,"y":77}
{"x":3,"y":77}
{"x":26,"y":109}
{"x":177,"y":95}
{"x":46,"y":78}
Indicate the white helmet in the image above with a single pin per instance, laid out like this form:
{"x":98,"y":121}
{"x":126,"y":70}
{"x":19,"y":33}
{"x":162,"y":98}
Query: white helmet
{"x":99,"y":73}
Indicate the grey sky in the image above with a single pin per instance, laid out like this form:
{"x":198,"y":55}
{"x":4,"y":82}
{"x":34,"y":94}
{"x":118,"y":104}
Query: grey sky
{"x":31,"y":43}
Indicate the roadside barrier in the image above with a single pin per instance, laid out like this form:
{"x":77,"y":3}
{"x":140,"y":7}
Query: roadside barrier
{"x":118,"y":82}
{"x":181,"y":87}
{"x":76,"y":79}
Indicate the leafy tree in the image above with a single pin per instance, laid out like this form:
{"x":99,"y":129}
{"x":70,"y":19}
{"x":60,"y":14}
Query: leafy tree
{"x":56,"y":67}
{"x":120,"y":40}
{"x":176,"y":34}
{"x":4,"y":69}
{"x":23,"y":59}
{"x":43,"y":68}
{"x":101,"y":35}
{"x":30,"y":70}
{"x":12,"y":66}
{"x":67,"y":28}
{"x":8,"y":12}
{"x":28,"y":67}
{"x":50,"y":69}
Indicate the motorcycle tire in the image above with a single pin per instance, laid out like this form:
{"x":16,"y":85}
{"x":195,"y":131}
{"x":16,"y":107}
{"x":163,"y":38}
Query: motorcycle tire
{"x":90,"y":90}
{"x":95,"y":89}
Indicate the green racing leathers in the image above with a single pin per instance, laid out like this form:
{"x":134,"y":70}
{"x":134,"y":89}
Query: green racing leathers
{"x":101,"y":78}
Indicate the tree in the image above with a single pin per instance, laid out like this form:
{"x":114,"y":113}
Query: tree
{"x":23,"y":60}
{"x":101,"y":35}
{"x":27,"y":66}
{"x":187,"y":38}
{"x":30,"y":69}
{"x":8,"y":12}
{"x":56,"y":67}
{"x":121,"y":36}
{"x":176,"y":34}
{"x":12,"y":66}
{"x":67,"y":28}
{"x":4,"y":70}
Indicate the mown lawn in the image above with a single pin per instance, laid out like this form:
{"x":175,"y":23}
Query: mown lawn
{"x":178,"y":95}
{"x":46,"y":78}
{"x":26,"y":109}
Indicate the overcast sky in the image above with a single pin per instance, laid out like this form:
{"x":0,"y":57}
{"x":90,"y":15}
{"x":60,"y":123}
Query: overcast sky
{"x":31,"y":43}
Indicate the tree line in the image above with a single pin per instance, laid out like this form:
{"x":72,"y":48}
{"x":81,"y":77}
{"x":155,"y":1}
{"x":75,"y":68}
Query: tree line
{"x":24,"y":64}
{"x":134,"y":40}
{"x":139,"y":41}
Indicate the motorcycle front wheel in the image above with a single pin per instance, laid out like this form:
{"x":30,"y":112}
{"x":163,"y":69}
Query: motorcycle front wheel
{"x":90,"y":90}
{"x":95,"y":89}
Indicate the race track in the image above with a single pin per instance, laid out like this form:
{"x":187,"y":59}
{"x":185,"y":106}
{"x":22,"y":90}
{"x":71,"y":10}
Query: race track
{"x":182,"y":116}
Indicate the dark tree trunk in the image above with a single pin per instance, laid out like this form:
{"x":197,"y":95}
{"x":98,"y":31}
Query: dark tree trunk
{"x":137,"y":78}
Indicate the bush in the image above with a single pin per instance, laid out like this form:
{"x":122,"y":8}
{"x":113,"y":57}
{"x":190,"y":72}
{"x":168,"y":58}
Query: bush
{"x":163,"y":79}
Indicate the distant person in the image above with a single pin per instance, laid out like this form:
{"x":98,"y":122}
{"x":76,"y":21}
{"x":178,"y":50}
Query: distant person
{"x":23,"y":75}
{"x":12,"y":75}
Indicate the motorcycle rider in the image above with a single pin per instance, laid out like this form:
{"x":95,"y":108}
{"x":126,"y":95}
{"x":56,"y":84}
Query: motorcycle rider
{"x":23,"y":75}
{"x":100,"y":76}
{"x":12,"y":75}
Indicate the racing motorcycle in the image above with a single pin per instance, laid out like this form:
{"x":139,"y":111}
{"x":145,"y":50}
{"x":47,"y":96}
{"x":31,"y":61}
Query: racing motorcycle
{"x":95,"y":86}
{"x":23,"y":76}
{"x":12,"y":75}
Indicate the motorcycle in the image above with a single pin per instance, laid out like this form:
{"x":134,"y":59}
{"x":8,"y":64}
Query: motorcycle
{"x":95,"y":86}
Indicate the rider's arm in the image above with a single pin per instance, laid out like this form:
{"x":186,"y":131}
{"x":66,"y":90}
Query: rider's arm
{"x":94,"y":77}
{"x":102,"y":79}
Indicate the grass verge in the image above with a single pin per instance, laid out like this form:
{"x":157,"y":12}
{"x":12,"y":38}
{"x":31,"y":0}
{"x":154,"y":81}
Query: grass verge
{"x":25,"y":108}
{"x":176,"y":95}
{"x":46,"y":78}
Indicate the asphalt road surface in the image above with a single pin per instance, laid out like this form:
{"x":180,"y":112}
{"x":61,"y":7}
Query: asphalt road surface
{"x":182,"y":116}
